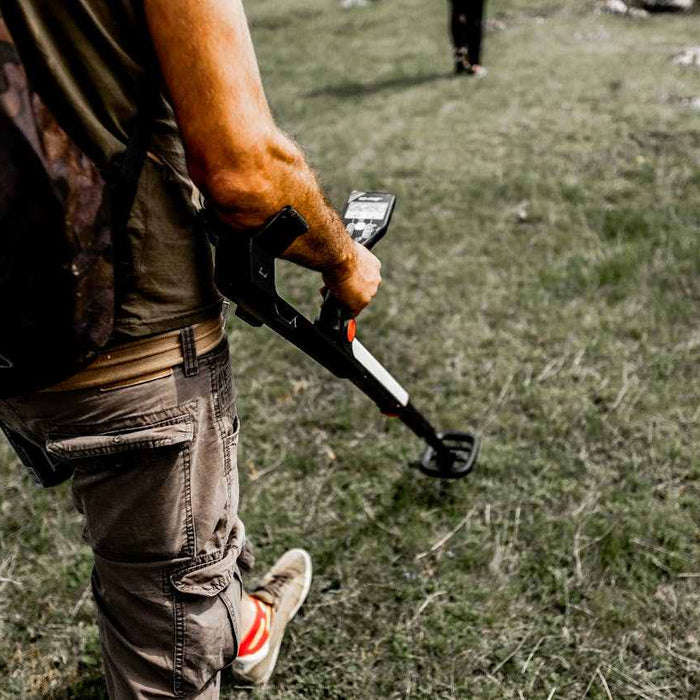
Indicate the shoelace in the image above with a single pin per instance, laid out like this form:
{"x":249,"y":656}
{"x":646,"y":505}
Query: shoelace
{"x":275,"y":585}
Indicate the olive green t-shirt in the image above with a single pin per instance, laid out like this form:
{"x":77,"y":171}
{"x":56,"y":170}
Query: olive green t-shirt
{"x":87,"y":60}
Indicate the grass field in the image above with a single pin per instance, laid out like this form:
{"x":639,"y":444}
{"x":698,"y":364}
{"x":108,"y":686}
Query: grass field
{"x":542,"y":286}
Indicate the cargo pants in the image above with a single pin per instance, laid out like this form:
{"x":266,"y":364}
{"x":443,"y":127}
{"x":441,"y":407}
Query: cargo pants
{"x":156,"y":479}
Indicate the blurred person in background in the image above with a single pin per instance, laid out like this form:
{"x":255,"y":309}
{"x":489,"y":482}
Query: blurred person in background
{"x":151,"y":427}
{"x":466,"y":29}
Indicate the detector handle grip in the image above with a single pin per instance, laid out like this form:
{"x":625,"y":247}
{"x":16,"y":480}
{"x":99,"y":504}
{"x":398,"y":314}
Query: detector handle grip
{"x":245,"y":267}
{"x":333,"y":318}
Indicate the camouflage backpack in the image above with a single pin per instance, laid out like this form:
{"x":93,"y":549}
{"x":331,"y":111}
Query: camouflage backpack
{"x":57,"y":238}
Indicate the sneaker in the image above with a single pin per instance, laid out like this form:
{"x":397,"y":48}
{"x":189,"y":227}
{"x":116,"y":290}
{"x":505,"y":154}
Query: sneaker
{"x":461,"y":61}
{"x":283,"y":590}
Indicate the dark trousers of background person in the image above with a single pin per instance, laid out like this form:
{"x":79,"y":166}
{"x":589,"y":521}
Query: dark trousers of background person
{"x":466,"y":27}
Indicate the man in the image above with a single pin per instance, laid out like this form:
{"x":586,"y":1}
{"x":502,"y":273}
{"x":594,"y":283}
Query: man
{"x":151,"y":427}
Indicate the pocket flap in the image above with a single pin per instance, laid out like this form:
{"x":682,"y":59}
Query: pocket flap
{"x":81,"y":446}
{"x":210,"y":575}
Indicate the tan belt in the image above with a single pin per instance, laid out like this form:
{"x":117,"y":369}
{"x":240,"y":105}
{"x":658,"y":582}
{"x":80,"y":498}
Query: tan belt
{"x":143,"y":360}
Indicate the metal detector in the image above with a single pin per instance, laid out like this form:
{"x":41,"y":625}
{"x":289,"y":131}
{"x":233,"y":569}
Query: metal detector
{"x":245,"y":274}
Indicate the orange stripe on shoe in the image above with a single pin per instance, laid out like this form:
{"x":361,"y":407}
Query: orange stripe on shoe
{"x":259,"y":631}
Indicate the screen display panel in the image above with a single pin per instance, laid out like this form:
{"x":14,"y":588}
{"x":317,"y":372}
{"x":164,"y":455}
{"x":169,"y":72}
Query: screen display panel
{"x":367,"y":211}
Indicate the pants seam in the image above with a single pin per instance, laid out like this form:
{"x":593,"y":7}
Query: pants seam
{"x":217,"y":371}
{"x":190,"y":526}
{"x":179,"y":655}
{"x":232,"y":620}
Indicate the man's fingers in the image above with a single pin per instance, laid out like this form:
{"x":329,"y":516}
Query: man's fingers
{"x":357,"y":289}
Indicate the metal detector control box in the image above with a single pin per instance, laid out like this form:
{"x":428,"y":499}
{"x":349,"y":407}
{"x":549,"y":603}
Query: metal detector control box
{"x":245,"y":274}
{"x":367,"y":216}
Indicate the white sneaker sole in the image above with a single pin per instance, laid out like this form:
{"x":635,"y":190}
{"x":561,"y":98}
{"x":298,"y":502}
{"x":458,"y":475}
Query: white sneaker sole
{"x":307,"y":581}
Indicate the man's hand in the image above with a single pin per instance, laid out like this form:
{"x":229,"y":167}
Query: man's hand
{"x":355,"y":283}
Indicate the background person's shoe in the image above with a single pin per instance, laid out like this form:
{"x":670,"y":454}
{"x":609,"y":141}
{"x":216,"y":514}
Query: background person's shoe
{"x":461,"y":61}
{"x":284,"y":588}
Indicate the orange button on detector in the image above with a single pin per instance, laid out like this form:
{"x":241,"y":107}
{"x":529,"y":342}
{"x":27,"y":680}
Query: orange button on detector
{"x":351,"y":330}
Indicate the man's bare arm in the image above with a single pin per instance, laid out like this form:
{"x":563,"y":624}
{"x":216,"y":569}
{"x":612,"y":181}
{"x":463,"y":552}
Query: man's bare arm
{"x":247,"y":167}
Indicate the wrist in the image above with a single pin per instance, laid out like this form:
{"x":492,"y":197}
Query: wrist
{"x":345,"y":264}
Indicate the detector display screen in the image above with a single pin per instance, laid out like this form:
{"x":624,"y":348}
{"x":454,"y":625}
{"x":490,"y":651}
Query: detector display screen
{"x":367,"y":211}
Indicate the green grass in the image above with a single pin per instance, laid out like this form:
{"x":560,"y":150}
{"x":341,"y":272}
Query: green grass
{"x":542,"y":286}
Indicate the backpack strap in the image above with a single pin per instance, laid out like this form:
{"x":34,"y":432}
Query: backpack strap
{"x":132,"y":160}
{"x":126,"y":175}
{"x":130,"y":163}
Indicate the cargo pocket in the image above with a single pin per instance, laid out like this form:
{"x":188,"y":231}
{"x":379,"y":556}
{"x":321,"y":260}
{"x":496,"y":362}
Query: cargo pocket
{"x":162,"y":434}
{"x":206,"y":597}
{"x":133,"y":483}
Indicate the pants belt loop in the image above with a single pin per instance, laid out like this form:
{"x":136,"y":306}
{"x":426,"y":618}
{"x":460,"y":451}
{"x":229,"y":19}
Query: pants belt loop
{"x":189,"y":352}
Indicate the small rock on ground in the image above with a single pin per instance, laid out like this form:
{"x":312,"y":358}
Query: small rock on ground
{"x":666,"y":5}
{"x":691,"y":102}
{"x":619,"y":7}
{"x":642,"y":8}
{"x":688,"y":57}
